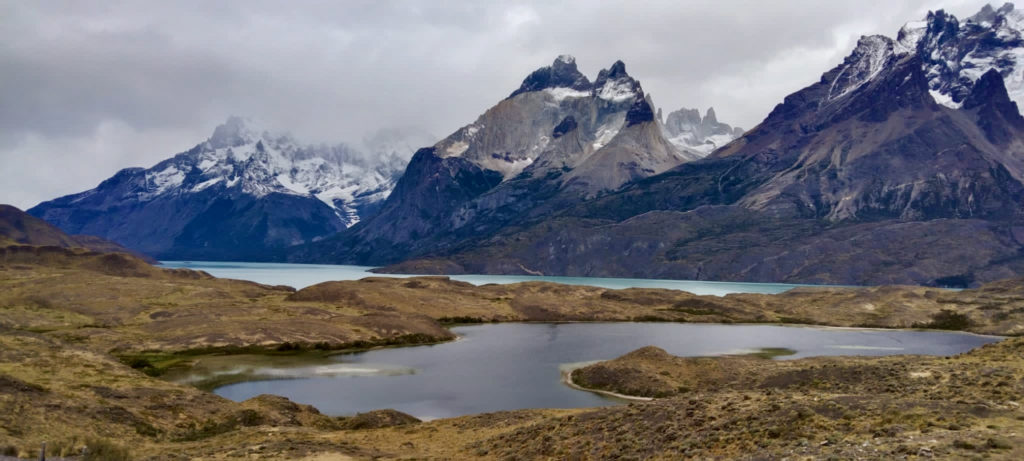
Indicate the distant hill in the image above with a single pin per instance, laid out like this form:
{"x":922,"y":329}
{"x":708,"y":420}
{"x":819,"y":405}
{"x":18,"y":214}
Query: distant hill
{"x":20,"y":228}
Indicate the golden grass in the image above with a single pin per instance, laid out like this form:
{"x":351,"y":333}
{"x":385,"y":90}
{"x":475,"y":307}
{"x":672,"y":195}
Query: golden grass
{"x":73,"y":323}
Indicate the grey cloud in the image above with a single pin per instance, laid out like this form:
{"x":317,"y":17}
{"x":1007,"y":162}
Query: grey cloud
{"x":87,"y":87}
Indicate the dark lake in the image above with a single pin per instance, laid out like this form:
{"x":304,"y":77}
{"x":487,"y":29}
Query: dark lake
{"x":513,"y":366}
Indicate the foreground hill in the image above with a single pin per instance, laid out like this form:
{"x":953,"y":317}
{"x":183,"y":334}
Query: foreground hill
{"x":886,"y":170}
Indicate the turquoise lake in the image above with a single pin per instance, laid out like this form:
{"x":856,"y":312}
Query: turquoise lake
{"x":303,"y":275}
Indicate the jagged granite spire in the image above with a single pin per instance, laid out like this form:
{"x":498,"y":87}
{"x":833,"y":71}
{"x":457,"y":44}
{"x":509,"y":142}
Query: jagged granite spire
{"x":688,"y":130}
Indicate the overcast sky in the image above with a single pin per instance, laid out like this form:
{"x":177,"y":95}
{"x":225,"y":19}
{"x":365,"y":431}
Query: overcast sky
{"x":89,"y":87}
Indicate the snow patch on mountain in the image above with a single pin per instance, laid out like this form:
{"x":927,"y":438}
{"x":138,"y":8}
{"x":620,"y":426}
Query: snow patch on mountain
{"x":864,"y":64}
{"x":910,"y":35}
{"x":162,"y":181}
{"x":561,"y":94}
{"x":606,"y":133}
{"x":617,"y":90}
{"x":945,"y":100}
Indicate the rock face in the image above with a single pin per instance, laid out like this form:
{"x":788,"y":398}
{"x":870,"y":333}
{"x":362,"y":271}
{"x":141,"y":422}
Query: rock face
{"x":240,"y":195}
{"x":556,"y":141}
{"x":884,"y":171}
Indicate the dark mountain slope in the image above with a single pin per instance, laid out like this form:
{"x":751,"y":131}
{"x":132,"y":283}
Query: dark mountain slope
{"x":20,"y":228}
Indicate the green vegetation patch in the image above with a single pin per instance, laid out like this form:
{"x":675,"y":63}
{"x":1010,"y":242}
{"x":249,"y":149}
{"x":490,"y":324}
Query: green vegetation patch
{"x":155,"y":363}
{"x":947,"y":319}
{"x":461,"y":320}
{"x":771,"y":352}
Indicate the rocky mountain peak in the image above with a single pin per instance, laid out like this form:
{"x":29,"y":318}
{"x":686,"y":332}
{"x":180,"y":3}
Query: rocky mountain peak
{"x":940,"y":22}
{"x":686,"y":129}
{"x":710,"y":117}
{"x":236,"y":131}
{"x":988,"y":89}
{"x":564,"y":60}
{"x":616,"y":85}
{"x":616,"y":71}
{"x":991,"y":15}
{"x":987,"y":14}
{"x":562,"y":73}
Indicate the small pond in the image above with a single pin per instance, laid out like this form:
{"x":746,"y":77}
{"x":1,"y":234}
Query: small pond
{"x":512,"y":366}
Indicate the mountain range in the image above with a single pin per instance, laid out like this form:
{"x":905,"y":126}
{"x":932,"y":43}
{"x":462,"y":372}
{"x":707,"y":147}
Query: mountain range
{"x":903,"y":164}
{"x":248,"y":194}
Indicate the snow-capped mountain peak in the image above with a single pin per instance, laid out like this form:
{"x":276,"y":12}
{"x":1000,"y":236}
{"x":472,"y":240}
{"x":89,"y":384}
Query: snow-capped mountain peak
{"x":956,"y":54}
{"x":239,"y":158}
